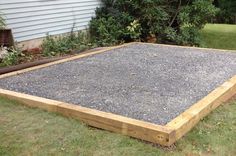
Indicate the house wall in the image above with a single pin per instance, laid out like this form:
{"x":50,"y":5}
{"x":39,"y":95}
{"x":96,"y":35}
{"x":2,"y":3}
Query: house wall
{"x":33,"y":19}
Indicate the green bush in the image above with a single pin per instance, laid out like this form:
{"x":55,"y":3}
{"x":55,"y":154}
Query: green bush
{"x":192,"y":19}
{"x":175,"y":22}
{"x":53,"y":46}
{"x":11,"y":57}
{"x":105,"y":31}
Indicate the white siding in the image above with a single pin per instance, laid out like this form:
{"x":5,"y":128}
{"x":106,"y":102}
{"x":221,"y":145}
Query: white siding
{"x":30,"y":19}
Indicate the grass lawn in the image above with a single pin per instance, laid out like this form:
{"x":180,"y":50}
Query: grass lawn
{"x":27,"y":131}
{"x":219,"y":36}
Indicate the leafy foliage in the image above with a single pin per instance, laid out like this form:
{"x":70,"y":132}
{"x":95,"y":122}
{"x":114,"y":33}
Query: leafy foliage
{"x":134,"y":29}
{"x":227,"y":13}
{"x":191,"y":19}
{"x":11,"y":57}
{"x":53,"y":46}
{"x":105,"y":31}
{"x":170,"y":21}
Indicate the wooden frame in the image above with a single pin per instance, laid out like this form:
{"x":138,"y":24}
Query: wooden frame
{"x":164,"y":135}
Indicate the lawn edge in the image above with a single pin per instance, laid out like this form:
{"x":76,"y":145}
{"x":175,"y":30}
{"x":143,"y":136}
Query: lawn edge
{"x":189,"y":118}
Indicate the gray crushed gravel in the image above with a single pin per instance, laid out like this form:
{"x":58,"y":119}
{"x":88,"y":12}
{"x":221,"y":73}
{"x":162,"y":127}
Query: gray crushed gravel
{"x":152,"y":83}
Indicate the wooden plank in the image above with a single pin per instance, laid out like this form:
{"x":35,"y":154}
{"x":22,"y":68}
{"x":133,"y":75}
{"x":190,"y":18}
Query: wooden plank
{"x":162,"y":135}
{"x":187,"y":120}
{"x":116,"y":123}
{"x":31,"y":101}
{"x":85,"y":54}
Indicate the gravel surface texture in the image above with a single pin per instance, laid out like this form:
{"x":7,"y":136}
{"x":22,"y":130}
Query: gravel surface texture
{"x":152,"y":83}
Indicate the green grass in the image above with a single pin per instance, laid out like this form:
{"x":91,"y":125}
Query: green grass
{"x":219,"y":36}
{"x":27,"y":131}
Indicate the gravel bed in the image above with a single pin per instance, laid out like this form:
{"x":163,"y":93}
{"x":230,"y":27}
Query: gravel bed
{"x":152,"y":83}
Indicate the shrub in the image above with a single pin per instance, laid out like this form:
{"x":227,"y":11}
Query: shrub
{"x":105,"y":31}
{"x":10,"y":56}
{"x":191,"y":19}
{"x":63,"y":44}
{"x":176,"y":22}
